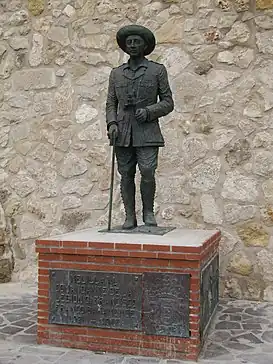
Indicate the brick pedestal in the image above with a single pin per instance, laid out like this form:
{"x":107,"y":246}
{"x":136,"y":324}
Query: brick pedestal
{"x":182,"y":261}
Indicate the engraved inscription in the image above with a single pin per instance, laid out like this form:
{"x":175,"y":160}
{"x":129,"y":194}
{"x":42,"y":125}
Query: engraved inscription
{"x":95,"y":299}
{"x":209,"y":292}
{"x":166,"y":304}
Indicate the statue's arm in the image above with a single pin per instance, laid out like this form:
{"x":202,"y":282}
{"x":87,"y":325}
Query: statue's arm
{"x":166,"y":104}
{"x":111,"y":102}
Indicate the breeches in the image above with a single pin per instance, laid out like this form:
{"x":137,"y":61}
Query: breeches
{"x":129,"y":157}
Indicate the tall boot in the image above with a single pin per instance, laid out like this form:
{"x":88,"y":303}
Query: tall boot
{"x":128,"y":191}
{"x":147,"y":189}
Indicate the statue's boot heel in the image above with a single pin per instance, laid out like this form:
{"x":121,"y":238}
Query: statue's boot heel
{"x":149,"y":218}
{"x":128,"y":190}
{"x":147,"y":189}
{"x":130,"y":223}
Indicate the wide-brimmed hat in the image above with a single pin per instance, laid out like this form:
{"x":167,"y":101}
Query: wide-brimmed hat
{"x":143,"y":32}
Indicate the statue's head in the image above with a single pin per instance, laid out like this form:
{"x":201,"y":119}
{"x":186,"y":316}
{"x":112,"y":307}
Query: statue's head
{"x":135,"y":46}
{"x":136,"y":40}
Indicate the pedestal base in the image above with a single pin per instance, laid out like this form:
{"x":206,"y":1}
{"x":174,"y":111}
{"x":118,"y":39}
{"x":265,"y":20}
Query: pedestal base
{"x":137,"y":294}
{"x":142,"y":229}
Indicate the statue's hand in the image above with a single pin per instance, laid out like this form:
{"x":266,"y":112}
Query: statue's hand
{"x":141,"y":115}
{"x":113,"y":132}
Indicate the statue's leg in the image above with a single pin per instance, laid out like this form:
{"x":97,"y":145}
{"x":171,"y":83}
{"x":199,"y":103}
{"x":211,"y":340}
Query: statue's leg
{"x":147,"y":163}
{"x":126,"y":160}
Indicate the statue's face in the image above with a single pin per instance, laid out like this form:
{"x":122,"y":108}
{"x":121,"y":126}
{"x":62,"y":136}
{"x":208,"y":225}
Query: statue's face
{"x":135,"y":45}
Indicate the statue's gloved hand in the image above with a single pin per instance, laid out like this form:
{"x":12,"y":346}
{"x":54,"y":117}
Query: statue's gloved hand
{"x":113,"y":132}
{"x":141,"y":115}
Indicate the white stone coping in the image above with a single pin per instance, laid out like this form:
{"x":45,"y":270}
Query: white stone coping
{"x":177,"y":237}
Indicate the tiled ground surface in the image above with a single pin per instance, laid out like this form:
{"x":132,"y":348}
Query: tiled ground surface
{"x":241,"y":333}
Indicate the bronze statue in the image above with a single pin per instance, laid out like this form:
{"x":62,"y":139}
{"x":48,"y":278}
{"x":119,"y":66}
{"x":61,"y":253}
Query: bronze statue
{"x":132,"y":113}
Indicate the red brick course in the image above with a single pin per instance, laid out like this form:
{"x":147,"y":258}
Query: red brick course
{"x":120,"y":257}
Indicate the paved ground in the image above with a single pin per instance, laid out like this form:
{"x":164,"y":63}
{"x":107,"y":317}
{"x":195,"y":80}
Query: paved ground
{"x":241,"y":333}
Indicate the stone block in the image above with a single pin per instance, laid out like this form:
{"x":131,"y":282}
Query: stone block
{"x":31,"y":228}
{"x":240,"y":187}
{"x":5,"y":270}
{"x":35,"y":55}
{"x":241,"y":5}
{"x":240,"y":264}
{"x":205,"y":175}
{"x":59,"y":35}
{"x":36,"y":7}
{"x":253,"y":234}
{"x":35,"y":79}
{"x":264,"y":4}
{"x":210,"y":210}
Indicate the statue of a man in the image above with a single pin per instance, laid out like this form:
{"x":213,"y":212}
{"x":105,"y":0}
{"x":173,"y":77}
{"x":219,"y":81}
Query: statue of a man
{"x":132,"y":113}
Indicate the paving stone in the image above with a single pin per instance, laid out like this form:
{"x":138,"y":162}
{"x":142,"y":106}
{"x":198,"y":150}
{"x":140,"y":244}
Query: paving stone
{"x":267,"y":348}
{"x":73,"y":356}
{"x":31,"y":330}
{"x":258,"y":333}
{"x":257,"y":358}
{"x":48,"y":359}
{"x":238,"y":346}
{"x":233,"y":310}
{"x":4,"y":302}
{"x":172,"y":361}
{"x":220,"y":336}
{"x":24,"y":310}
{"x":214,"y":351}
{"x":12,"y":317}
{"x":105,"y":359}
{"x":140,"y":360}
{"x":10,"y":330}
{"x":253,"y":320}
{"x":12,"y":306}
{"x":248,"y":338}
{"x":241,"y":333}
{"x":6,"y":357}
{"x":42,"y":350}
{"x":26,"y":359}
{"x":2,"y":321}
{"x":8,"y":361}
{"x":25,"y":339}
{"x":90,"y":358}
{"x":255,"y":312}
{"x":253,"y":326}
{"x":3,"y":337}
{"x":246,"y":317}
{"x":237,"y":332}
{"x":3,"y":310}
{"x":33,"y":318}
{"x":23,"y":323}
{"x":227,"y":325}
{"x":227,"y":317}
{"x":268,"y":336}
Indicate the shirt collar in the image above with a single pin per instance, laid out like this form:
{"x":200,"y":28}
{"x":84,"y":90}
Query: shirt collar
{"x":144,"y":63}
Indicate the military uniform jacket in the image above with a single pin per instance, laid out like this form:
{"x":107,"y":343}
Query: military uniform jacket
{"x":141,"y":89}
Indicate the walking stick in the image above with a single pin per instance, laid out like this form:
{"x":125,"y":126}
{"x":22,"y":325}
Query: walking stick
{"x":112,"y":183}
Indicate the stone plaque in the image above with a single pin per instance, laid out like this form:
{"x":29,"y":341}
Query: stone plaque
{"x":166,"y":304}
{"x":209,"y":292}
{"x":95,"y":299}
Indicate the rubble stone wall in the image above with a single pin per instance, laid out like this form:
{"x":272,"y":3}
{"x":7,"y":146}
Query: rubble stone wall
{"x":216,"y":169}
